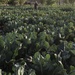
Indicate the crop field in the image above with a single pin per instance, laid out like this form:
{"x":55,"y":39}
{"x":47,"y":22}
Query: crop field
{"x":37,"y":42}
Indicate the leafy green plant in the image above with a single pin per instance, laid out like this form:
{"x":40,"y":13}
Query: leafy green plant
{"x":46,"y":35}
{"x":43,"y":65}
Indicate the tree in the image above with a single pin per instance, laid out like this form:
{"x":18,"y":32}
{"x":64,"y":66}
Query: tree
{"x":21,"y":2}
{"x":69,"y":1}
{"x":72,"y":1}
{"x":16,"y":2}
{"x":13,"y":2}
{"x":43,"y":1}
{"x":4,"y":1}
{"x":66,"y":1}
{"x":50,"y":2}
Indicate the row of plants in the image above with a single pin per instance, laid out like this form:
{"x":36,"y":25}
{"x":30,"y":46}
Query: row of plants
{"x":43,"y":39}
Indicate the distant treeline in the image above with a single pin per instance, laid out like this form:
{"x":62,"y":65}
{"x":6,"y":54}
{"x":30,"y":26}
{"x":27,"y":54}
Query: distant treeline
{"x":48,"y":2}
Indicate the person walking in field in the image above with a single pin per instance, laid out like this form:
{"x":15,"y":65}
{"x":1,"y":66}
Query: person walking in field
{"x":36,"y":5}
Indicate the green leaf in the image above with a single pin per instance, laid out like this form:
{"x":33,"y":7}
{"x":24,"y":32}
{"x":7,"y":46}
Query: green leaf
{"x":72,"y":68}
{"x":36,"y":55}
{"x":36,"y":58}
{"x":72,"y":51}
{"x":47,"y":57}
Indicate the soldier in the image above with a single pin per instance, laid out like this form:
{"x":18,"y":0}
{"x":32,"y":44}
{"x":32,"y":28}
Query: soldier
{"x":36,"y":5}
